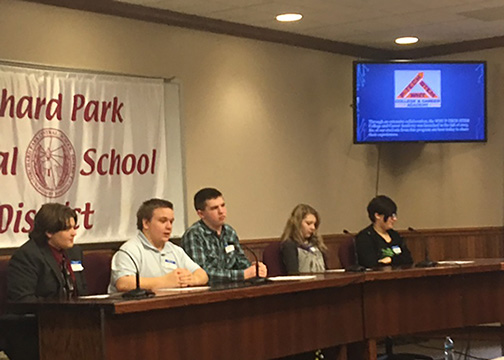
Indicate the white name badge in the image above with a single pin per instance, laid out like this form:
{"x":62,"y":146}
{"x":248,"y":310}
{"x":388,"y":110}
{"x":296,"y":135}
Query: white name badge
{"x":229,"y":248}
{"x":170,"y":264}
{"x":396,"y":249}
{"x":76,"y":266}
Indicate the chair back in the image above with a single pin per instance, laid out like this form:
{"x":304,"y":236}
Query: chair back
{"x":272,"y":258}
{"x":97,"y":270}
{"x":346,"y":253}
{"x":4,"y":261}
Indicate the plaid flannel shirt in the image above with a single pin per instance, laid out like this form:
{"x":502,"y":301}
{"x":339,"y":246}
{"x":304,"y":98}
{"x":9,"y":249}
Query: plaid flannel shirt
{"x":220,"y":256}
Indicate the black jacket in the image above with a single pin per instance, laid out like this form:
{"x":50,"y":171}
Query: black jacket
{"x":34,"y":274}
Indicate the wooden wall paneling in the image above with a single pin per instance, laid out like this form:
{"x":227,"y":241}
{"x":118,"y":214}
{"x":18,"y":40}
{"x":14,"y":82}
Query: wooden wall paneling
{"x":453,"y":244}
{"x":443,"y":244}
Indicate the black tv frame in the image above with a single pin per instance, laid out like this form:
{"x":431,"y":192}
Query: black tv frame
{"x":396,"y":61}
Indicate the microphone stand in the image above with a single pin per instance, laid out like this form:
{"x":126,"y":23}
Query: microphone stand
{"x":426,"y":262}
{"x":138,"y":292}
{"x":354,"y":267}
{"x":257,"y":279}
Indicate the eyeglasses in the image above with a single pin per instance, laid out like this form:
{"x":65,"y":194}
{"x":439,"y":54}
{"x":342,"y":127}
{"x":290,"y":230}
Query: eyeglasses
{"x":394,"y":216}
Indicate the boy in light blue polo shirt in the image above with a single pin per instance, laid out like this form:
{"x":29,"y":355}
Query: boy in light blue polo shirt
{"x":161,"y":264}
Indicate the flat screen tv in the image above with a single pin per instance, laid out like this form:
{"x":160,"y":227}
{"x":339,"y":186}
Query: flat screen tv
{"x":402,"y":101}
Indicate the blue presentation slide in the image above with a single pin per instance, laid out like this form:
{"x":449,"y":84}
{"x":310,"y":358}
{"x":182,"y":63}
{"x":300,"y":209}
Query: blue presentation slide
{"x":408,"y":101}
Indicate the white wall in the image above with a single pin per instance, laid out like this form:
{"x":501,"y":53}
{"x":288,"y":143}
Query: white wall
{"x":271,"y":125}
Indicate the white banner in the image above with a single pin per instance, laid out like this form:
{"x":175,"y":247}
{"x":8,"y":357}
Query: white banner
{"x":94,"y":142}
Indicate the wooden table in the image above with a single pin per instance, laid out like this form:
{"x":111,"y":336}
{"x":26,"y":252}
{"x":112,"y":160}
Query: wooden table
{"x":259,"y":322}
{"x":429,"y":299}
{"x":275,"y":319}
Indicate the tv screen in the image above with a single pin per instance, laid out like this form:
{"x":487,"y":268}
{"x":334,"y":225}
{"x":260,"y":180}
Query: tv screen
{"x":419,"y":101}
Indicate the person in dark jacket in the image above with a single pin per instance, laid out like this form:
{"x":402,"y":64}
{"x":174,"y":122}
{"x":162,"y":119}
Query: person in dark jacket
{"x":302,"y":247}
{"x":47,"y":266}
{"x":379,"y":244}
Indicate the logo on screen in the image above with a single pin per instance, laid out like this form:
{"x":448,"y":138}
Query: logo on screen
{"x":50,"y":162}
{"x":417,"y":89}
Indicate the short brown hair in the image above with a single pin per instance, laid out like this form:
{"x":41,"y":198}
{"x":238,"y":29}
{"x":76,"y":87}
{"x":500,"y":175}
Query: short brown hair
{"x":51,"y":218}
{"x":147,"y":208}
{"x":203,"y":195}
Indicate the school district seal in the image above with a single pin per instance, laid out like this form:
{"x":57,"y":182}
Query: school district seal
{"x":50,"y":162}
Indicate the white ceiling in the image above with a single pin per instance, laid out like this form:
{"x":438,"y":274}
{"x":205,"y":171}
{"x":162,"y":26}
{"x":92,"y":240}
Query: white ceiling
{"x":374,"y":23}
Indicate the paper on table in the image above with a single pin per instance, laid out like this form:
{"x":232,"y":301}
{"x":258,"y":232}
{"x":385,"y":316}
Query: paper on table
{"x":292,"y":277}
{"x":100,"y":296}
{"x":185,"y":289}
{"x":334,"y":270}
{"x":456,"y":262}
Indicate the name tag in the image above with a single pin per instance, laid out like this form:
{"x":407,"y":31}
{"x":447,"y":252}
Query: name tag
{"x":170,"y":264}
{"x":229,"y":248}
{"x":396,"y":249}
{"x":76,"y":265}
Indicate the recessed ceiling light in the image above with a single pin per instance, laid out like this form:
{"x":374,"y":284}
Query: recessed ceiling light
{"x":289,"y":17}
{"x":406,"y":40}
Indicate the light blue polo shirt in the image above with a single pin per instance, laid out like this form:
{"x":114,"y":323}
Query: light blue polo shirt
{"x":150,"y":261}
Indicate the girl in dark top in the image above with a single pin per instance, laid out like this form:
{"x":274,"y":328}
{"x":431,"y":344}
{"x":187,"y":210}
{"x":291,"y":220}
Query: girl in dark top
{"x":302,"y":248}
{"x":379,"y":244}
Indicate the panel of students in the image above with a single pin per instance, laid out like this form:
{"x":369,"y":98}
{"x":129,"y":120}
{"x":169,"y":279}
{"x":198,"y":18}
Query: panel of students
{"x":48,"y":265}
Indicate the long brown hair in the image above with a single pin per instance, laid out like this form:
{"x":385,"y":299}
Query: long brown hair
{"x":293,"y":231}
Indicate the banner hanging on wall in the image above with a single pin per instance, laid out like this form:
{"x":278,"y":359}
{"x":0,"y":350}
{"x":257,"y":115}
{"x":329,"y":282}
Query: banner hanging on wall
{"x":94,"y":142}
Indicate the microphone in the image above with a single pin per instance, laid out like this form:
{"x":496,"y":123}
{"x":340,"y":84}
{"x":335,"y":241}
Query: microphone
{"x":257,"y":279}
{"x":426,"y":262}
{"x":137,"y":293}
{"x":354,"y":267}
